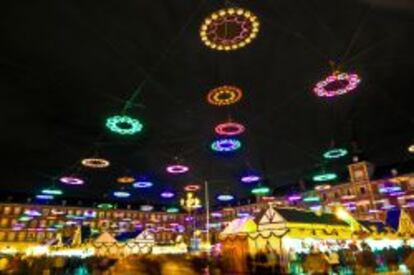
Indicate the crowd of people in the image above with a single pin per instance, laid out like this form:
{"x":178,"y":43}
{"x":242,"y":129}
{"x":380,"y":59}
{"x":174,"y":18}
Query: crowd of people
{"x":350,"y":260}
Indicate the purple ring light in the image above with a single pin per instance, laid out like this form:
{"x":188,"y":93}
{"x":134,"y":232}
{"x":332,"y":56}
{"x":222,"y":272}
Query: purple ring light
{"x":72,"y":180}
{"x":177,"y":169}
{"x":250,"y":178}
{"x":142,"y":184}
{"x":167,"y":195}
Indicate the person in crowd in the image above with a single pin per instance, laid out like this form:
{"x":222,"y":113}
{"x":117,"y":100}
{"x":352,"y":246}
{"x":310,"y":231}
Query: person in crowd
{"x":315,"y":263}
{"x":4,"y":263}
{"x":333,"y":260}
{"x":409,"y":262}
{"x":391,"y":258}
{"x":365,"y":261}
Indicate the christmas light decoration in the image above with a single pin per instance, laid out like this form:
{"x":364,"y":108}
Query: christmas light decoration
{"x":229,"y":29}
{"x":177,"y":169}
{"x":216,"y":215}
{"x":324,"y":177}
{"x":337,"y":84}
{"x":45,"y":197}
{"x":229,"y":129}
{"x":51,"y":191}
{"x":335,"y":153}
{"x":167,"y":195}
{"x":125,"y":179}
{"x":190,"y":202}
{"x":225,"y":197}
{"x":322,"y":187}
{"x":25,"y":218}
{"x":95,"y":163}
{"x":295,"y":197}
{"x":226,"y":145}
{"x":250,"y":178}
{"x":105,"y":206}
{"x":311,"y":199}
{"x":411,"y":149}
{"x":224,"y":95}
{"x":122,"y":194}
{"x":192,"y":187}
{"x":260,"y":190}
{"x":123,"y":125}
{"x":173,"y":210}
{"x":142,"y":184}
{"x":71,"y":180}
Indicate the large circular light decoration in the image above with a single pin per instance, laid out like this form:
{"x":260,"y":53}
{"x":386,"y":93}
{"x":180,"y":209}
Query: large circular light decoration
{"x":224,"y":95}
{"x":250,"y":178}
{"x":172,"y":210}
{"x":229,"y":29}
{"x":122,"y":194}
{"x":72,"y":180}
{"x":229,"y":129}
{"x":167,"y":195}
{"x":95,"y":163}
{"x":192,"y":187}
{"x":261,"y":190}
{"x":411,"y":149}
{"x":126,"y":179}
{"x":226,"y":145}
{"x":335,"y":153}
{"x":142,"y":184}
{"x":177,"y":169}
{"x":225,"y":197}
{"x":324,"y":177}
{"x":52,"y":191}
{"x":123,"y":125}
{"x":337,"y":84}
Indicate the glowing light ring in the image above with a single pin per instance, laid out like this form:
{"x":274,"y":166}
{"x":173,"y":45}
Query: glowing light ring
{"x":323,"y":187}
{"x":122,"y":194}
{"x":143,"y":184}
{"x":226,"y":145}
{"x":95,"y":163}
{"x":173,"y":210}
{"x":52,"y":192}
{"x":294,"y":198}
{"x":250,"y":178}
{"x":225,"y":197}
{"x":72,"y":180}
{"x":177,"y":169}
{"x":192,"y":188}
{"x":124,"y":125}
{"x":45,"y":197}
{"x":325,"y":177}
{"x":224,"y":95}
{"x":167,"y":195}
{"x":229,"y":29}
{"x":335,"y":153}
{"x":105,"y":206}
{"x":229,"y":129}
{"x":345,"y":82}
{"x":126,"y":180}
{"x":146,"y":208}
{"x":261,"y":190}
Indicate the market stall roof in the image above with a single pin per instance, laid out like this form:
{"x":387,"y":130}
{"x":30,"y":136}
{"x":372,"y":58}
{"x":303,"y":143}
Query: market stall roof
{"x":377,"y":226}
{"x":241,"y":225}
{"x":400,"y":221}
{"x":302,"y":216}
{"x":105,"y":238}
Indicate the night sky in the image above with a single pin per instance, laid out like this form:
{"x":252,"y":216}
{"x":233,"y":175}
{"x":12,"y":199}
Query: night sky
{"x":65,"y":66}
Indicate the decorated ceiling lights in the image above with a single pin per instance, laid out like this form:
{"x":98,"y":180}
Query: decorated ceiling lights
{"x":250,"y":178}
{"x":225,"y":197}
{"x":325,"y":176}
{"x":52,"y":191}
{"x":172,"y":210}
{"x":226,"y":145}
{"x":105,"y":206}
{"x":44,"y":197}
{"x":177,"y":169}
{"x":72,"y":180}
{"x":146,"y":208}
{"x":411,"y":149}
{"x":124,"y":125}
{"x":224,"y":95}
{"x":260,"y":190}
{"x":229,"y":29}
{"x":337,"y":84}
{"x":167,"y":194}
{"x":192,"y":187}
{"x":95,"y":163}
{"x":143,"y":184}
{"x":229,"y":129}
{"x":126,"y":180}
{"x":335,"y":153}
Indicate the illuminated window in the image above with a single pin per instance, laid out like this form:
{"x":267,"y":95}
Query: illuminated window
{"x":11,"y":236}
{"x":17,"y":210}
{"x":7,"y":210}
{"x":4,"y":222}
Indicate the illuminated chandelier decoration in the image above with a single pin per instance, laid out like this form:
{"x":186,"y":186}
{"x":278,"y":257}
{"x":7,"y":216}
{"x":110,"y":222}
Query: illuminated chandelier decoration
{"x":337,"y":84}
{"x":143,"y":184}
{"x":190,"y":202}
{"x":71,"y":180}
{"x":177,"y":169}
{"x":123,"y":125}
{"x":95,"y":163}
{"x":167,"y":194}
{"x":192,"y":187}
{"x":229,"y":129}
{"x":226,"y":145}
{"x":325,"y":176}
{"x":122,"y":194}
{"x":224,"y":95}
{"x":335,"y":153}
{"x":261,"y":190}
{"x":126,"y":180}
{"x":229,"y":29}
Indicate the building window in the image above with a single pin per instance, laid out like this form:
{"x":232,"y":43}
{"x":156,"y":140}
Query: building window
{"x":362,"y":190}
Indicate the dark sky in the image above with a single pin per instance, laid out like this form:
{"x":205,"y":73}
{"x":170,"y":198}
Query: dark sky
{"x":67,"y":65}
